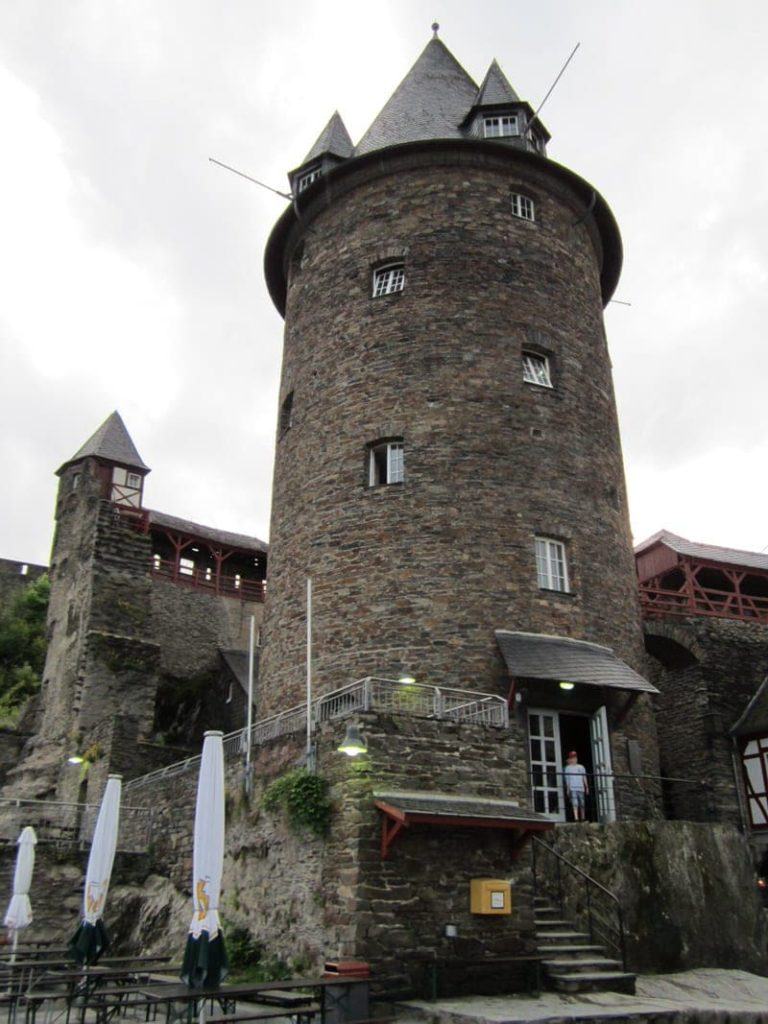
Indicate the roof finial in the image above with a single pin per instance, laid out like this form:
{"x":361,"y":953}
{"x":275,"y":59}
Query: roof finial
{"x":435,"y":29}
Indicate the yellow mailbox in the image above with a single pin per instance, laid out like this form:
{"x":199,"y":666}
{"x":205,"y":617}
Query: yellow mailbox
{"x":490,"y":896}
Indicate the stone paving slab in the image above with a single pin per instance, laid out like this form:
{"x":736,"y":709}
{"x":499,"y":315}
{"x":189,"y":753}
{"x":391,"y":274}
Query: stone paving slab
{"x":703,"y":996}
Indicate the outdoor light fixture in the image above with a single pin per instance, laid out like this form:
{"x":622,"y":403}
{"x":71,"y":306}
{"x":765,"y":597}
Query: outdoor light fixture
{"x":353,"y":743}
{"x":567,"y":686}
{"x":75,"y":759}
{"x":407,"y":679}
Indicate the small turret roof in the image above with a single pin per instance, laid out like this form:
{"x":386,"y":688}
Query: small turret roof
{"x":430,"y":103}
{"x":334,"y":139}
{"x":111,"y":442}
{"x":495,"y":88}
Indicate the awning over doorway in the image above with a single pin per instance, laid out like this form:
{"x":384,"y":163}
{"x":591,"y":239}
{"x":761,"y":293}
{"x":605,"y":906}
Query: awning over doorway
{"x":538,"y":656}
{"x":401,"y":809}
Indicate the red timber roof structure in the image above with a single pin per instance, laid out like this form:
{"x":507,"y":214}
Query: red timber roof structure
{"x":201,"y":557}
{"x":681,"y":577}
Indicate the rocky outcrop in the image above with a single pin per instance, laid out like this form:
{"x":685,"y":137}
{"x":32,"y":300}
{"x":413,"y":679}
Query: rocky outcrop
{"x":688,"y":891}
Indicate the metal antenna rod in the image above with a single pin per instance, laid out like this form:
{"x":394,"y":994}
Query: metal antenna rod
{"x":619,"y":302}
{"x":285,"y":195}
{"x":549,"y":93}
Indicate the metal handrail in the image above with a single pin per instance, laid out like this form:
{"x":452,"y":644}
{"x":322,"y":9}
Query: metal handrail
{"x":591,"y":885}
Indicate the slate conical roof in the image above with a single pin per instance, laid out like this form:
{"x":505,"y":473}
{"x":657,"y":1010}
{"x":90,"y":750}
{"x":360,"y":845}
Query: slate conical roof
{"x":111,"y":442}
{"x":495,"y":88}
{"x":430,"y":103}
{"x":333,"y":139}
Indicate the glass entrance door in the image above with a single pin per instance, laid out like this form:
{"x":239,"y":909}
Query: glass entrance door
{"x":601,"y":760}
{"x":546,"y":764}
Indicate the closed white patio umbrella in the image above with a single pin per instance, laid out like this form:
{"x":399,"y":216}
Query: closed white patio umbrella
{"x":205,"y":957}
{"x":19,"y":912}
{"x":91,"y":939}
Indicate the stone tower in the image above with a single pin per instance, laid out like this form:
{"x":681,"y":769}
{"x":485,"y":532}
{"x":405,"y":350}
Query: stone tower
{"x":101,"y":662}
{"x":448,"y":463}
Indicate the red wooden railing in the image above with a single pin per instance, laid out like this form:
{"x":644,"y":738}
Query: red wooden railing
{"x":206,"y":579}
{"x":694,"y":599}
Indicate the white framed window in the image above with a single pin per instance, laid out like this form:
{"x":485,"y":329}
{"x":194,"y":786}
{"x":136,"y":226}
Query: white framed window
{"x":551,"y":564}
{"x":388,"y":279}
{"x":536,"y":369}
{"x":133,"y":480}
{"x":306,"y":180}
{"x":500,"y":127}
{"x":186,"y":567}
{"x":522,"y":207}
{"x":386,"y":463}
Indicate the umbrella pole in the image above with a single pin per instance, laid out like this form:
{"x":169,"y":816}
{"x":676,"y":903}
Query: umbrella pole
{"x":15,"y":944}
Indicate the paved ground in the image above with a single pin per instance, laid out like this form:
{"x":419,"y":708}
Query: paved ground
{"x":707,"y":994}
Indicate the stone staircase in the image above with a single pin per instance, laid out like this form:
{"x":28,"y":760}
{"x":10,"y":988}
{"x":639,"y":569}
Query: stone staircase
{"x":571,"y":962}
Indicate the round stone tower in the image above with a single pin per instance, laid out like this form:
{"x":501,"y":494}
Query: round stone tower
{"x":448,"y":459}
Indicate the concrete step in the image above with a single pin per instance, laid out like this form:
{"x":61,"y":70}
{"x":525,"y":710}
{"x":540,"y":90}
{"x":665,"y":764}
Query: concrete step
{"x":561,"y":935}
{"x":597,"y":981}
{"x":557,"y":949}
{"x":577,"y":965}
{"x":551,"y":922}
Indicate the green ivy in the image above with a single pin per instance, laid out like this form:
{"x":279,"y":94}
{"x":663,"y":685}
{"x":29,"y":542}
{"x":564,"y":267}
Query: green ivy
{"x":304,"y":798}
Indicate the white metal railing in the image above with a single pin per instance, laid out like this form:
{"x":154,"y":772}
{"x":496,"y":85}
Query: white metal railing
{"x":372,"y":693}
{"x":67,"y":823}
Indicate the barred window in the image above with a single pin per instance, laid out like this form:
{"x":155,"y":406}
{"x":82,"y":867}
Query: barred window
{"x":386,"y":463}
{"x":286,"y":413}
{"x":500,"y":127}
{"x":522,"y":206}
{"x":551,"y":564}
{"x":536,"y":369}
{"x":388,"y":279}
{"x":306,"y":179}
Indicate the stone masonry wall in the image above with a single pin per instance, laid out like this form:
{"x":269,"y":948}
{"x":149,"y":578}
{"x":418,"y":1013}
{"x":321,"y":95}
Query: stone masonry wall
{"x":318,"y":899}
{"x":414,"y":578}
{"x":700,"y":703}
{"x":13,"y":579}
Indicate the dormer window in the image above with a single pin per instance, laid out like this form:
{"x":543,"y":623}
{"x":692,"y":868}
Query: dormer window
{"x":305,"y":180}
{"x":500,"y":127}
{"x":388,"y":279}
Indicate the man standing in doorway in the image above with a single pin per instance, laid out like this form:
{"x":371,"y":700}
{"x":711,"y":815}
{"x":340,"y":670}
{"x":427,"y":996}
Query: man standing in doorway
{"x":576,"y":785}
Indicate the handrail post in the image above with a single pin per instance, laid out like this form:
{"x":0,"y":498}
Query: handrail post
{"x":560,"y":885}
{"x":438,"y":703}
{"x":367,"y":693}
{"x":589,"y":910}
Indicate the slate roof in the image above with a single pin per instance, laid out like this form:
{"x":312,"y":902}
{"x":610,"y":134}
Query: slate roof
{"x":334,"y":139}
{"x":237,"y":663}
{"x":730,"y":556}
{"x":495,"y":88}
{"x":456,"y":805}
{"x":755,"y":716}
{"x":111,"y":442}
{"x":223,"y":537}
{"x":538,"y":656}
{"x":430,"y":103}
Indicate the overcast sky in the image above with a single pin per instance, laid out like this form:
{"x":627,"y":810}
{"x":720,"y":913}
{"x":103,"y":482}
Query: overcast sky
{"x":131,"y":267}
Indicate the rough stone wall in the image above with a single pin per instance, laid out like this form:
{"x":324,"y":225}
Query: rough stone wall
{"x":323,"y":898}
{"x":191,"y":625}
{"x":13,"y":580}
{"x":414,"y":578}
{"x":700,"y":703}
{"x":688,"y":891}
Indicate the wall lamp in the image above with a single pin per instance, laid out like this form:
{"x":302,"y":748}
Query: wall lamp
{"x":567,"y":686}
{"x":75,"y":759}
{"x":353,"y":742}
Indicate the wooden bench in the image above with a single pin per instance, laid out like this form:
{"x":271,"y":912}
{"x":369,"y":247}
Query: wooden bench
{"x":304,"y":1011}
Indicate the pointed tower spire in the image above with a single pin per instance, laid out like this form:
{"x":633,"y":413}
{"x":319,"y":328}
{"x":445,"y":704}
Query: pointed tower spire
{"x":430,"y":103}
{"x":334,"y":140}
{"x":112,"y":443}
{"x":495,"y":88}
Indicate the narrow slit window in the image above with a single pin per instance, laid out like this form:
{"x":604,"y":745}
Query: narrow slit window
{"x":500,"y":127}
{"x":389,"y":279}
{"x":386,"y":463}
{"x":536,"y":370}
{"x":286,"y":413}
{"x":522,"y":206}
{"x":551,"y":565}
